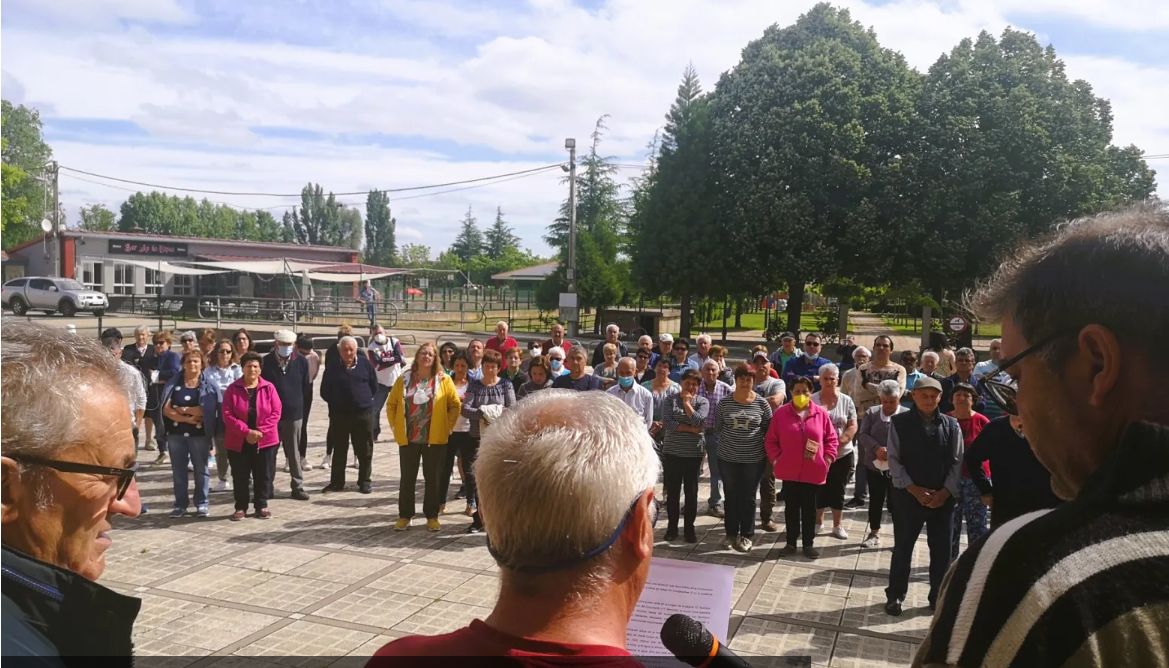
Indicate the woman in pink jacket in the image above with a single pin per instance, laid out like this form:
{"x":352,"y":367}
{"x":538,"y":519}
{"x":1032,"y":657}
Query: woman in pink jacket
{"x":801,"y":444}
{"x":251,"y":411}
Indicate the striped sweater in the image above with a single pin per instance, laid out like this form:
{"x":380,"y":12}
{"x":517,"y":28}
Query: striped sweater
{"x":1085,"y":584}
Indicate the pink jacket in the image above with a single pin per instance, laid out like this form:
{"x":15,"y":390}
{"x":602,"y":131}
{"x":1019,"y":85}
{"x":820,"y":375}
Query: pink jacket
{"x":785,"y":442}
{"x":235,"y":415}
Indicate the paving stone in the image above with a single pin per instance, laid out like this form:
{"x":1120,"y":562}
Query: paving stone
{"x":342,"y":568}
{"x":480,"y":590}
{"x":374,"y":607}
{"x":304,"y":643}
{"x":421,"y":580}
{"x":773,"y":638}
{"x":441,"y":617}
{"x":856,"y":651}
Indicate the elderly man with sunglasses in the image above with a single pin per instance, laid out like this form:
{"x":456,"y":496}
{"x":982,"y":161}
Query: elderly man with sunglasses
{"x":1084,"y":317}
{"x":568,"y":580}
{"x":68,"y":462}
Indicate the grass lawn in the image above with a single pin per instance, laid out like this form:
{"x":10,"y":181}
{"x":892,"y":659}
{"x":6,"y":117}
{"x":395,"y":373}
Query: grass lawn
{"x":983,"y":329}
{"x":754,"y":321}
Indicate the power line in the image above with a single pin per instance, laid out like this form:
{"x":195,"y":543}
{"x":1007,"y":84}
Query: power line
{"x":262,"y":194}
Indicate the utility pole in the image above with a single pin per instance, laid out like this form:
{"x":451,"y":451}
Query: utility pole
{"x":569,"y":308}
{"x":56,"y":261}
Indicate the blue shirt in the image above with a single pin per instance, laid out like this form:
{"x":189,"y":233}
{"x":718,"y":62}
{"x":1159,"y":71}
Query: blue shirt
{"x":676,"y":369}
{"x":801,"y":366}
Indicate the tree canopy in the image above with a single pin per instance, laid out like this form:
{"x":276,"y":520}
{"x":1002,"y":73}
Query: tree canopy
{"x":25,"y":178}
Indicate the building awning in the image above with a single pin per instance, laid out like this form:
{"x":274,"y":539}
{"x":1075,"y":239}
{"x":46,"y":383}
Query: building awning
{"x":268,"y":267}
{"x":173,"y":269}
{"x":536,"y":273}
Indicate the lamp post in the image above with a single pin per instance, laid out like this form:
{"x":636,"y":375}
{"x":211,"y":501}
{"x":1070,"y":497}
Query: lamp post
{"x":568,"y":302}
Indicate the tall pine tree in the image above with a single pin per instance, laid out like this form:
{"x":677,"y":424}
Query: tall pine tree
{"x":499,"y":239}
{"x":379,"y":230}
{"x":469,"y":243}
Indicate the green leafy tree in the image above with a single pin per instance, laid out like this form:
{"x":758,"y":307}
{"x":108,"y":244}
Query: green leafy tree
{"x":379,"y":230}
{"x":24,"y":180}
{"x":1009,"y":147}
{"x":498,"y":240}
{"x":97,"y":218}
{"x":469,"y":242}
{"x":674,"y":207}
{"x":414,"y":255}
{"x":321,"y":220}
{"x":808,"y":133}
{"x":601,"y":278}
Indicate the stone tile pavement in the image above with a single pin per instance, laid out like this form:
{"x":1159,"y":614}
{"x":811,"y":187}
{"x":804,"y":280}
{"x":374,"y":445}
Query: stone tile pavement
{"x":327,"y":578}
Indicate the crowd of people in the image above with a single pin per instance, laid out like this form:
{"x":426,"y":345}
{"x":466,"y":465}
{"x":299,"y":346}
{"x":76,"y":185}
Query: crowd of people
{"x":1064,"y":496}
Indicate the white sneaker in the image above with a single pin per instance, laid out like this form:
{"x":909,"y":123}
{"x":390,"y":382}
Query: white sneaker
{"x":729,"y":543}
{"x":211,"y":462}
{"x":872,"y":540}
{"x":325,"y":461}
{"x":286,"y":467}
{"x":839,"y":532}
{"x":306,"y":465}
{"x":819,"y":530}
{"x":745,"y":544}
{"x":222,"y":486}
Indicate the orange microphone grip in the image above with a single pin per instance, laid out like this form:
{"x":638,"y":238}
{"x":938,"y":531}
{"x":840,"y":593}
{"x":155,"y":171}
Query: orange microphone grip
{"x":713,"y":652}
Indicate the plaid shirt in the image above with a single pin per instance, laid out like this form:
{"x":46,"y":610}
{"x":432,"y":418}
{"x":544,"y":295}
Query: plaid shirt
{"x":720,"y":391}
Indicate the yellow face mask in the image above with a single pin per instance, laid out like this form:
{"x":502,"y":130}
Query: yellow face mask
{"x":801,"y":401}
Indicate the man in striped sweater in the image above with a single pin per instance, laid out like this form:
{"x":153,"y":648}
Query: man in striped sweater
{"x":1084,"y":318}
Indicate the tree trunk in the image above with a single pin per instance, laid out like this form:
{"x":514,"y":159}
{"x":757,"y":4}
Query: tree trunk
{"x":684,"y":305}
{"x":739,"y":313}
{"x":795,"y":305}
{"x":726,"y":314}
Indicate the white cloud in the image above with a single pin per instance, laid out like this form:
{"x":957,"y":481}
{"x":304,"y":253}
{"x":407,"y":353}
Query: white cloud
{"x":469,"y":80}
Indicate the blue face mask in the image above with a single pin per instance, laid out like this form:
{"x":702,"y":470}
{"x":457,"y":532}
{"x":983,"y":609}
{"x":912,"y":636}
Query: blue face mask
{"x":284,"y":351}
{"x":555,"y":364}
{"x":625,"y":382}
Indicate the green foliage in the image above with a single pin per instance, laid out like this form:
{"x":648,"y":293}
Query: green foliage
{"x":97,"y":218}
{"x":499,"y":239}
{"x":379,"y":230}
{"x":1009,"y":147}
{"x":414,"y":255}
{"x":807,"y":135}
{"x":25,"y":154}
{"x":674,"y":206}
{"x":321,"y":220}
{"x":469,"y":243}
{"x":160,"y":213}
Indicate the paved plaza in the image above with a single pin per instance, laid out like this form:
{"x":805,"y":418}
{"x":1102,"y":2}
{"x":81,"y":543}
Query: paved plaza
{"x":328,"y":578}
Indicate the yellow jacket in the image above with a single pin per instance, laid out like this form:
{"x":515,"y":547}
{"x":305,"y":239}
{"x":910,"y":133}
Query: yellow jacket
{"x":442,"y":419}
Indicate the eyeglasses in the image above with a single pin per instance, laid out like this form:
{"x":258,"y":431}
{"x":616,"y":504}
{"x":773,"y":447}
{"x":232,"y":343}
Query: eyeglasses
{"x":224,"y":351}
{"x":654,"y":511}
{"x":124,"y":476}
{"x":1005,"y":393}
{"x":811,"y":344}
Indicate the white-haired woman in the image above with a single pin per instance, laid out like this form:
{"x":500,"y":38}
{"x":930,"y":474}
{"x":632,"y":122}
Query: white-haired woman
{"x":842,"y":412}
{"x":556,"y":357}
{"x":873,"y":438}
{"x":422,"y":409}
{"x":607,"y":370}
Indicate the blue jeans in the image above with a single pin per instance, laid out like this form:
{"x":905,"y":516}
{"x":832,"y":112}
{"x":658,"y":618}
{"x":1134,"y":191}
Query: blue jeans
{"x":716,"y":496}
{"x":969,"y":507}
{"x":379,"y":407}
{"x":195,"y":449}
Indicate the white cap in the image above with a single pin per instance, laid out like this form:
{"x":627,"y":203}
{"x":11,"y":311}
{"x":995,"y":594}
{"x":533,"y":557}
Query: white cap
{"x":285,"y":336}
{"x":666,"y":338}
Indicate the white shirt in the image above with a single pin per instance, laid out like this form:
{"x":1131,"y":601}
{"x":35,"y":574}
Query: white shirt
{"x":639,"y":399}
{"x":389,"y":375}
{"x":983,"y":368}
{"x":135,"y":390}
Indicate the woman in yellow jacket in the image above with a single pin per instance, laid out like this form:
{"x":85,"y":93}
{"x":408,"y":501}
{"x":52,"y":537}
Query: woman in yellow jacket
{"x":422,"y":410}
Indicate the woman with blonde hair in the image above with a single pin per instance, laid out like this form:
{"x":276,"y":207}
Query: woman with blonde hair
{"x":422,"y":409}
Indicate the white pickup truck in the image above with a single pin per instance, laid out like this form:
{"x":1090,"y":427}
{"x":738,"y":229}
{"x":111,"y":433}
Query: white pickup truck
{"x":39,"y":293}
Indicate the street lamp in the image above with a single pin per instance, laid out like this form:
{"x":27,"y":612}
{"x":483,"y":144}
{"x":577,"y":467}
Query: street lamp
{"x":568,"y":302}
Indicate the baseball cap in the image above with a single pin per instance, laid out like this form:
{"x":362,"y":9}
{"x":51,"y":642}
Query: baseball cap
{"x":759,"y":354}
{"x":666,"y":338}
{"x":285,"y":336}
{"x":927,"y":383}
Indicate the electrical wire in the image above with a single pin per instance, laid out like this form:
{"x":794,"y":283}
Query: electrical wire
{"x":263,"y":194}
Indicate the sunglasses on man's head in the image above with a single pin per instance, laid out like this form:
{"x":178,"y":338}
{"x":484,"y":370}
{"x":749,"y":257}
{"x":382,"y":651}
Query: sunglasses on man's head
{"x":124,"y":476}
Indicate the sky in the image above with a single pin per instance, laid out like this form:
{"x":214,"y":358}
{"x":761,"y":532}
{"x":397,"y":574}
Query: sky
{"x":265,"y":95}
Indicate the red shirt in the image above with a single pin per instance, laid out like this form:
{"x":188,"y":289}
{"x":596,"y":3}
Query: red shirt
{"x":479,"y":639}
{"x":971,"y":427}
{"x":502,"y":348}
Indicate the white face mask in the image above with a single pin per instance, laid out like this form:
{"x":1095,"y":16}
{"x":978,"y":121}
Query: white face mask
{"x":380,"y":339}
{"x":535,"y":352}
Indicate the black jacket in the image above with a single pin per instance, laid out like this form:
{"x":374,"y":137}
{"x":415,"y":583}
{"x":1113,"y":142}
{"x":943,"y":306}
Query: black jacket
{"x":292,"y":383}
{"x":349,"y":390}
{"x":51,"y":612}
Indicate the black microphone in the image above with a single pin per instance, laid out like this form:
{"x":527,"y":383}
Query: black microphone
{"x":689,"y":641}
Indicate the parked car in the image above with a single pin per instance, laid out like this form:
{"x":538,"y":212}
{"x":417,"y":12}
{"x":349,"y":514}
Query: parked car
{"x":40,"y":293}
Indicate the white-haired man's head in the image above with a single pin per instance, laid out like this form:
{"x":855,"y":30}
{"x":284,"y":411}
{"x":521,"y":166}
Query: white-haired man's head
{"x":929,"y":362}
{"x":558,"y":477}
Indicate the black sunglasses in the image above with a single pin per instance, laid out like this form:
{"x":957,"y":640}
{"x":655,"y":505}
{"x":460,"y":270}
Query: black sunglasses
{"x":654,"y":511}
{"x":1005,"y":393}
{"x":124,"y":476}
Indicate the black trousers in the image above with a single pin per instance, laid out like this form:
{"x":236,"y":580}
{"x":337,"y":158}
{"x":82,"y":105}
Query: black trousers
{"x":458,"y":445}
{"x":879,"y":486}
{"x":308,"y":405}
{"x":767,"y":494}
{"x":739,"y":484}
{"x":908,"y":518}
{"x":252,"y":466}
{"x":345,"y":428}
{"x":681,"y":474}
{"x":470,"y":454}
{"x":799,"y":511}
{"x":432,"y":458}
{"x":831,"y":493}
{"x":154,"y":398}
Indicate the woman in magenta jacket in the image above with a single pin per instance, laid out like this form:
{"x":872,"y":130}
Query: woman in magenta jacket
{"x":801,"y":444}
{"x":251,"y":411}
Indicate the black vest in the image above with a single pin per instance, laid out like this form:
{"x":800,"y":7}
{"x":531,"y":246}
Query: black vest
{"x":926,"y":458}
